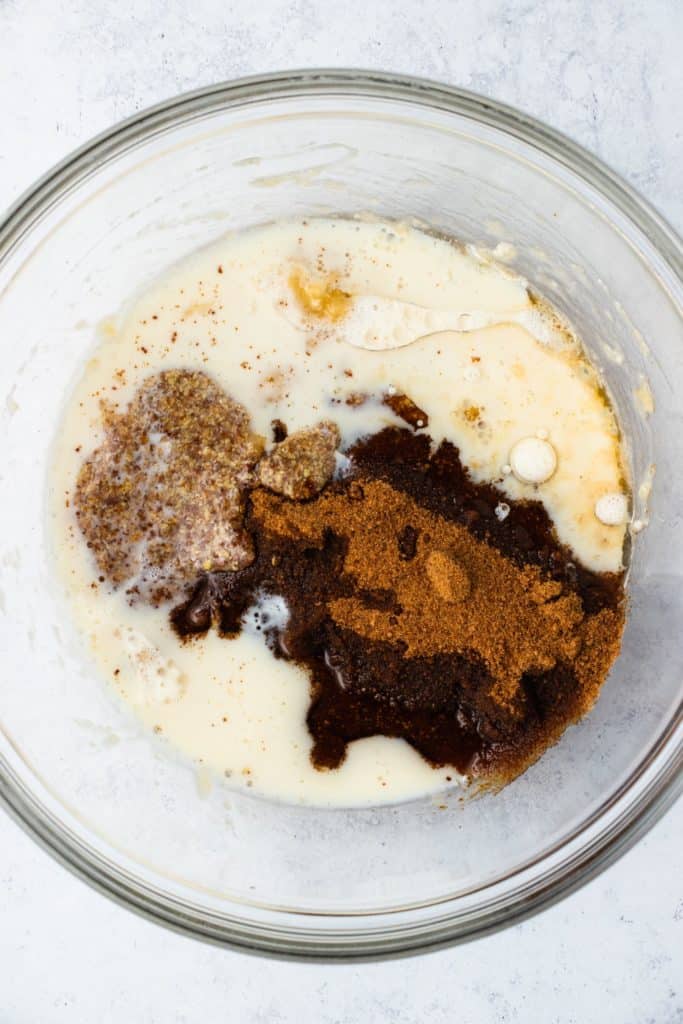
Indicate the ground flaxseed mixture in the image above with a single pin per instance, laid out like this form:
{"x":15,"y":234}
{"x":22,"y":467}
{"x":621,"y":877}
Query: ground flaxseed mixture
{"x":163,"y":498}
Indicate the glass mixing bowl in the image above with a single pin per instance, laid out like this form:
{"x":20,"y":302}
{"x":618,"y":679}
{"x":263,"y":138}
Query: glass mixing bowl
{"x":76,"y":770}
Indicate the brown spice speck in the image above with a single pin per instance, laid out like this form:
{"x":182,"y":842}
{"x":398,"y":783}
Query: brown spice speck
{"x":407,"y":410}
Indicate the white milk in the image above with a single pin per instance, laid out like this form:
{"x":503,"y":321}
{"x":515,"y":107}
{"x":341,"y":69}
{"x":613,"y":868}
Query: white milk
{"x":230,"y":312}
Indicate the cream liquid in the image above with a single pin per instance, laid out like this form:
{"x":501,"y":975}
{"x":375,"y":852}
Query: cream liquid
{"x":230,"y":311}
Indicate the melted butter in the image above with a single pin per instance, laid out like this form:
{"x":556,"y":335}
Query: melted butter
{"x":319,"y":297}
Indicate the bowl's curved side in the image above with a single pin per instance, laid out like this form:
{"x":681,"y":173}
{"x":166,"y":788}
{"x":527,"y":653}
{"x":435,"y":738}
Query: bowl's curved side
{"x":613,"y":826}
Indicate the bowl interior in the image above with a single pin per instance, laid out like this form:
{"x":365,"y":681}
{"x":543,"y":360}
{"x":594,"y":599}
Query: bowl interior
{"x":116,"y":221}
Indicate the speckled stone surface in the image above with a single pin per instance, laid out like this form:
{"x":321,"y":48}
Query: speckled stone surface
{"x":608,"y":74}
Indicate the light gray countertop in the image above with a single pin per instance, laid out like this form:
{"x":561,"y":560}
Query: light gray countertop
{"x":609,"y":74}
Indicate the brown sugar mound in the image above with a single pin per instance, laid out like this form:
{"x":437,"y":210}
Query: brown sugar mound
{"x":456,"y":595}
{"x":162,"y":499}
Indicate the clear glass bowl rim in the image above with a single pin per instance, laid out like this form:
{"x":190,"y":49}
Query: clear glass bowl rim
{"x":378,"y":935}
